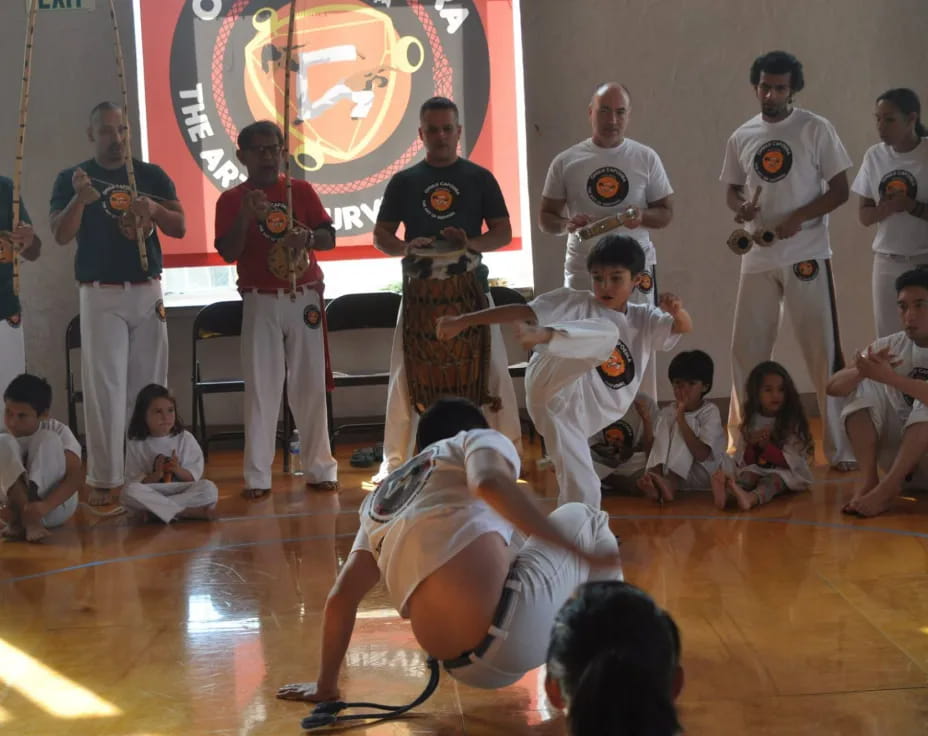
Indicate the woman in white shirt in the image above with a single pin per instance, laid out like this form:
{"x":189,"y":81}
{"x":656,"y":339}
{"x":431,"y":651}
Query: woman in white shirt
{"x":893,"y":188}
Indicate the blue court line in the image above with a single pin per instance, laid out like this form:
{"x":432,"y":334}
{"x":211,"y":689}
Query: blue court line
{"x":621,"y":517}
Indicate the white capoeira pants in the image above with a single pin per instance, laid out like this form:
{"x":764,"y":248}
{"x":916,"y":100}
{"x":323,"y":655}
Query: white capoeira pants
{"x":284,"y":338}
{"x":540,"y":581}
{"x":40,"y":457}
{"x":891,"y":418}
{"x":670,"y":450}
{"x":124,"y":347}
{"x":886,"y":269}
{"x":557,"y":405}
{"x":810,"y":303}
{"x":401,"y":421}
{"x":167,"y":500}
{"x":12,"y":352}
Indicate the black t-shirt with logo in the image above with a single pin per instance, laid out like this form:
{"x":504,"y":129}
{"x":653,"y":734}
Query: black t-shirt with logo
{"x":427,"y":199}
{"x":103,"y":252}
{"x":9,"y":302}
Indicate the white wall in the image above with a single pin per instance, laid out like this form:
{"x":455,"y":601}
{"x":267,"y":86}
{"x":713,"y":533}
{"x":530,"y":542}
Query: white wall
{"x":686,"y":63}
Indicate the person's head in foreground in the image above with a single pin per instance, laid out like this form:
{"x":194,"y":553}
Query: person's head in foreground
{"x":615,"y":264}
{"x":614,"y":663}
{"x":445,"y":418}
{"x":26,"y":403}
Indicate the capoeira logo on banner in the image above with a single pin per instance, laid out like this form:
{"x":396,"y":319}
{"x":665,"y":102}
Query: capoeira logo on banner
{"x":362,"y":70}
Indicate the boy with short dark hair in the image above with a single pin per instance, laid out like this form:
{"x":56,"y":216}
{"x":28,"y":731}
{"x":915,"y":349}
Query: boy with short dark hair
{"x":689,"y":441}
{"x":591,"y":351}
{"x":40,"y":462}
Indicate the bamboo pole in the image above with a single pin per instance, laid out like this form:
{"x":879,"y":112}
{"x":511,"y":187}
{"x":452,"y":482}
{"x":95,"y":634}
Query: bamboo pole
{"x":288,"y":56}
{"x":130,"y":169}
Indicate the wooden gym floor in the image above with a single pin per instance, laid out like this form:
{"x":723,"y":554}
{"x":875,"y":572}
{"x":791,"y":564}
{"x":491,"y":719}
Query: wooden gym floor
{"x":795,"y":619}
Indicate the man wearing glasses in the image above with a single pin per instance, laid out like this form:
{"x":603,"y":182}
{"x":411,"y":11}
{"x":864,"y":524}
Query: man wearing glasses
{"x":282,"y":332}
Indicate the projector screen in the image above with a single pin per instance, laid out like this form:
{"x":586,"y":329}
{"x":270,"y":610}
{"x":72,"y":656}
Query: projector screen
{"x":359,"y":71}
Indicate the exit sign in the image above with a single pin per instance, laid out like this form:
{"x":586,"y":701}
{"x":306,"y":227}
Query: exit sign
{"x":62,"y":4}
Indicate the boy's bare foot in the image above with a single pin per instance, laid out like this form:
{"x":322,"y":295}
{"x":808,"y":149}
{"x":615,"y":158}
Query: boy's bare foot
{"x":861,"y":489}
{"x":32,"y":522}
{"x":646,"y":485}
{"x":720,"y":489}
{"x":664,"y":487}
{"x":746,"y":500}
{"x":100,"y":496}
{"x":199,"y":513}
{"x":874,"y":503}
{"x":308,"y":692}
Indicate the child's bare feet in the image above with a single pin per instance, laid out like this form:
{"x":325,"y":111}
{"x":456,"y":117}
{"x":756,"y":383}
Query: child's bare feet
{"x":198,"y":513}
{"x":720,"y":489}
{"x":861,"y":489}
{"x":664,"y":487}
{"x":746,"y":500}
{"x":646,"y":485}
{"x":875,"y":502}
{"x":32,"y":522}
{"x":100,"y":496}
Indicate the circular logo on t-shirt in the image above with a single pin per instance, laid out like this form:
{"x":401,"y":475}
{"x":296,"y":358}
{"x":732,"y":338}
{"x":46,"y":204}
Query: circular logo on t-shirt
{"x":607,"y":186}
{"x":898,"y":183}
{"x":116,"y":200}
{"x":439,"y":199}
{"x":404,"y":484}
{"x":619,"y":370}
{"x":773,"y":161}
{"x":274,"y":226}
{"x":619,"y":434}
{"x":805,"y":270}
{"x":919,"y":374}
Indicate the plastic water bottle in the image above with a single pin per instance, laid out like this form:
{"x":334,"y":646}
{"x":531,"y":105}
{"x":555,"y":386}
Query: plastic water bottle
{"x":293,"y":447}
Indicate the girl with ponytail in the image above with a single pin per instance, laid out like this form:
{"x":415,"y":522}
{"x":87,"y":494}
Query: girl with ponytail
{"x":893,"y":188}
{"x":614,"y":663}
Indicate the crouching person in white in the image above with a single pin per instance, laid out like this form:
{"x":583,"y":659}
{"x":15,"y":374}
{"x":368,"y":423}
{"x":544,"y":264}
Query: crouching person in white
{"x":887,"y":417}
{"x":40,"y":462}
{"x":164,"y":463}
{"x":443,"y":530}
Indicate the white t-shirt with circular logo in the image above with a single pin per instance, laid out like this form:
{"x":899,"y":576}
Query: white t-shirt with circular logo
{"x":601,"y":182}
{"x":884,"y":171}
{"x":792,"y":161}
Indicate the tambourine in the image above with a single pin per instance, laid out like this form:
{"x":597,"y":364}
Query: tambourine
{"x":607,"y":223}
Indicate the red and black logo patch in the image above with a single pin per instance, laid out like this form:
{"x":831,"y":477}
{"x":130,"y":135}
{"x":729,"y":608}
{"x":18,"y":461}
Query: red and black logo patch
{"x":805,"y":270}
{"x":619,"y":370}
{"x":274,"y":226}
{"x":773,"y":161}
{"x":312,"y":316}
{"x":607,"y":186}
{"x":619,"y":435}
{"x":360,"y":69}
{"x":898,"y":183}
{"x":646,"y":284}
{"x":439,"y":199}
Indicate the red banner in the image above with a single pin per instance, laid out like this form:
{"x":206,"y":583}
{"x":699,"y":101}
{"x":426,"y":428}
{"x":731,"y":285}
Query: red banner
{"x":360,"y":69}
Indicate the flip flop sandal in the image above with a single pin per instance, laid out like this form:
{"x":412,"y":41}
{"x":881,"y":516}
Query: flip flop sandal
{"x":363,"y":457}
{"x":253,"y":494}
{"x":325,"y":486}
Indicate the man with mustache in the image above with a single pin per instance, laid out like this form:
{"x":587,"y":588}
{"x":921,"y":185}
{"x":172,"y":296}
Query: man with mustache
{"x":799,"y":165}
{"x":124,"y":339}
{"x":605,"y":174}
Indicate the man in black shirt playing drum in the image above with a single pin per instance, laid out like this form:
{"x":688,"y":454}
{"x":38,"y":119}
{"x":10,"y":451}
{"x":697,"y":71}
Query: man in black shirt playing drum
{"x":443,"y":203}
